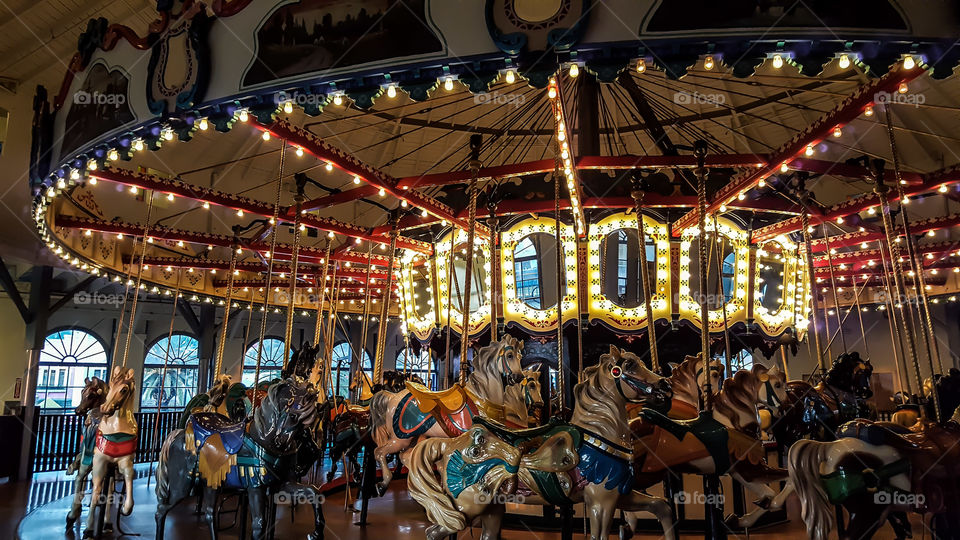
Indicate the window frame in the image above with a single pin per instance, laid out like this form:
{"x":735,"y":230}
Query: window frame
{"x":63,"y":370}
{"x":251,"y":368}
{"x":147,"y":365}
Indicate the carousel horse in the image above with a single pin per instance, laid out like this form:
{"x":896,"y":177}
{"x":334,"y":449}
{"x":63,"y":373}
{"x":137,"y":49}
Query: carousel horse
{"x":817,"y":411}
{"x":115,"y":441}
{"x":269,"y":452}
{"x":400,"y":419}
{"x":360,"y":382}
{"x":223,"y":397}
{"x":475,"y":469}
{"x":532,"y":397}
{"x":686,"y":383}
{"x":876,"y":468}
{"x":91,"y":398}
{"x":722,"y":441}
{"x":587,"y":460}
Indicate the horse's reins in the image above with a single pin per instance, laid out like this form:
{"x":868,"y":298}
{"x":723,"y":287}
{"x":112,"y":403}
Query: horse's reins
{"x":620,"y":376}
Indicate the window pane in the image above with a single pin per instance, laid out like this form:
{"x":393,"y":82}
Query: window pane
{"x":180,"y":352}
{"x":67,"y":358}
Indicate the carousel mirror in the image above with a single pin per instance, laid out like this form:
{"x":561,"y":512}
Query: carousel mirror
{"x":478,"y":279}
{"x":422,"y":292}
{"x":535,"y":270}
{"x":770,"y":279}
{"x":721,"y":275}
{"x":620,"y":252}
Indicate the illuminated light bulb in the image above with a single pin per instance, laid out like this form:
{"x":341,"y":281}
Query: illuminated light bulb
{"x":299,"y":152}
{"x":574,"y":70}
{"x":943,"y":188}
{"x":138,"y":145}
{"x":206,"y":205}
{"x":741,"y":196}
{"x":391,"y":91}
{"x":113,"y":155}
{"x":357,"y":241}
{"x":328,"y":166}
{"x":88,"y":232}
{"x":288,"y":107}
{"x":75,"y":174}
{"x":837,"y":131}
{"x":244,"y":115}
{"x":239,"y":213}
{"x":906,"y":199}
{"x":204,"y":124}
{"x":809,"y":151}
{"x":267,"y":254}
{"x":872,"y":210}
{"x":723,"y":208}
{"x":840,"y":220}
{"x":868,"y":111}
{"x":708,"y":63}
{"x":119,"y":236}
{"x":931,"y":233}
{"x":511,"y":77}
{"x":168,"y":134}
{"x":761,"y":183}
{"x":863,"y":245}
{"x":844,"y":61}
{"x":909,"y":62}
{"x":552,"y":93}
{"x":179,"y":243}
{"x":423,"y":213}
{"x":209,"y":247}
{"x":903,"y":88}
{"x":382,"y":192}
{"x":92,"y":164}
{"x":330,"y":234}
{"x":338,"y":100}
{"x":448,"y":84}
{"x":784,"y":167}
{"x":266,"y":135}
{"x":61,"y":183}
{"x":403,"y":204}
{"x":170,"y":197}
{"x":133,"y":189}
{"x":777,"y":61}
{"x":356,"y":179}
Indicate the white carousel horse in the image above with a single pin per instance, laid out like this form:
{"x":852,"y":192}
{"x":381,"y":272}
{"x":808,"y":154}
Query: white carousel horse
{"x":91,"y":398}
{"x":399,"y":420}
{"x":116,"y":441}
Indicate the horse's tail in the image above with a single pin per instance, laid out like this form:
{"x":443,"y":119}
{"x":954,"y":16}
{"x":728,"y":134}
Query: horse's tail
{"x":379,"y":425}
{"x":163,"y":476}
{"x":424,"y":487}
{"x":803,"y":462}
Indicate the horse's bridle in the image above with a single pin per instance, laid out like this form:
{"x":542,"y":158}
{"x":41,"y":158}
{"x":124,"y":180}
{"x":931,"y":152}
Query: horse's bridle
{"x":772,"y":401}
{"x":507,"y":376}
{"x":620,"y":376}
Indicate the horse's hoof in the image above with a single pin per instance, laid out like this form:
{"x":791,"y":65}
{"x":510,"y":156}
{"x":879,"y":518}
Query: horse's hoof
{"x":732,"y":522}
{"x":625,"y":532}
{"x":315,"y":535}
{"x":71,"y":521}
{"x":381,"y":489}
{"x":108,"y":527}
{"x":88,"y":533}
{"x":127,"y":508}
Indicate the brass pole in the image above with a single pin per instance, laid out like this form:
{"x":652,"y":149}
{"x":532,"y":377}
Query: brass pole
{"x":468,"y":275}
{"x":700,"y":151}
{"x":637,"y":193}
{"x":804,"y":196}
{"x":385,"y":299}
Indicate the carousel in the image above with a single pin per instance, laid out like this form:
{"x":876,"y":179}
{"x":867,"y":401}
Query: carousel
{"x":631,"y":261}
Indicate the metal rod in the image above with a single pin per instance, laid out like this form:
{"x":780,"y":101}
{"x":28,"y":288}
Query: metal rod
{"x":700,"y":151}
{"x":637,"y":193}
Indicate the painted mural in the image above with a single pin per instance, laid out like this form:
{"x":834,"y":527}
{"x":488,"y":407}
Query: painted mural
{"x":868,"y":15}
{"x":314,"y":35}
{"x":99,"y":106}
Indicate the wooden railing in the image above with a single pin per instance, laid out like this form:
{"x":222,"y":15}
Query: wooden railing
{"x":58,"y":438}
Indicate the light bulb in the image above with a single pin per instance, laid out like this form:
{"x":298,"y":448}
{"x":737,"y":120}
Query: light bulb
{"x":138,"y":145}
{"x":288,"y":107}
{"x":244,"y":115}
{"x":170,"y":197}
{"x":903,"y":88}
{"x":168,"y":134}
{"x":909,"y":62}
{"x":809,"y":151}
{"x":391,"y":91}
{"x":844,"y":62}
{"x":206,"y":205}
{"x":204,"y":124}
{"x":448,"y":84}
{"x":328,"y":166}
{"x":641,"y":65}
{"x":783,"y":167}
{"x":299,"y":152}
{"x":837,"y":131}
{"x":239,"y":213}
{"x":93,"y":181}
{"x":356,"y":179}
{"x":552,"y":93}
{"x":868,"y":111}
{"x":511,"y":77}
{"x":133,"y":189}
{"x":382,"y":192}
{"x":777,"y":61}
{"x":92,"y":164}
{"x":708,"y":63}
{"x":266,"y":135}
{"x":423,"y":213}
{"x":574,"y":70}
{"x":338,"y":100}
{"x":113,"y":155}
{"x":943,"y":188}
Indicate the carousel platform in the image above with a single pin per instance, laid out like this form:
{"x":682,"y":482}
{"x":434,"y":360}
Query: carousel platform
{"x":395,"y":514}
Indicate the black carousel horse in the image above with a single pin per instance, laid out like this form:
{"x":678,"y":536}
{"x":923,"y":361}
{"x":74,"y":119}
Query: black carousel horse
{"x":263,"y":457}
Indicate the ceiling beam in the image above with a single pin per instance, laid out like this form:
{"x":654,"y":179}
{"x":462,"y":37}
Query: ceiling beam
{"x":848,"y":109}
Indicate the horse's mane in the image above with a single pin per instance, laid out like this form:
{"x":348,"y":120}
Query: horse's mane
{"x":683,"y":380}
{"x":739,"y":395}
{"x":600,"y":413}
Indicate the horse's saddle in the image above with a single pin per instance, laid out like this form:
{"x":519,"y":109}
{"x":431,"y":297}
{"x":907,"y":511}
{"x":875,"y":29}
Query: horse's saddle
{"x":452,"y":399}
{"x":216,"y":440}
{"x":549,"y":457}
{"x":662,"y":442}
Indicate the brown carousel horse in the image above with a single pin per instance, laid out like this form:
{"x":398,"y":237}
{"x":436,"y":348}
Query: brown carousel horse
{"x":687,"y":383}
{"x":91,"y":398}
{"x":876,"y":468}
{"x":587,"y":460}
{"x":115,"y":442}
{"x":399,"y":420}
{"x":724,"y":441}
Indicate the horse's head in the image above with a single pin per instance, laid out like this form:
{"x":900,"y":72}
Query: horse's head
{"x":500,"y":361}
{"x":849,"y":372}
{"x":633,"y":381}
{"x":218,"y":392}
{"x":532,"y":398}
{"x":714,"y":374}
{"x":121,"y":390}
{"x":287,"y":411}
{"x":92,"y":396}
{"x":773,"y":388}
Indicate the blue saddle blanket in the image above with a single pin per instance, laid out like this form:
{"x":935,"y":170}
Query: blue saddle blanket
{"x":205,"y":424}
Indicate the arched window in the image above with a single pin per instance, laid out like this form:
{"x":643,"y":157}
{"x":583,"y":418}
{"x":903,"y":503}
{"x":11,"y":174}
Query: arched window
{"x":271,"y":361}
{"x":68,"y":357}
{"x":418,"y":364}
{"x":180,"y":380}
{"x":527,"y":272}
{"x":340,"y":368}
